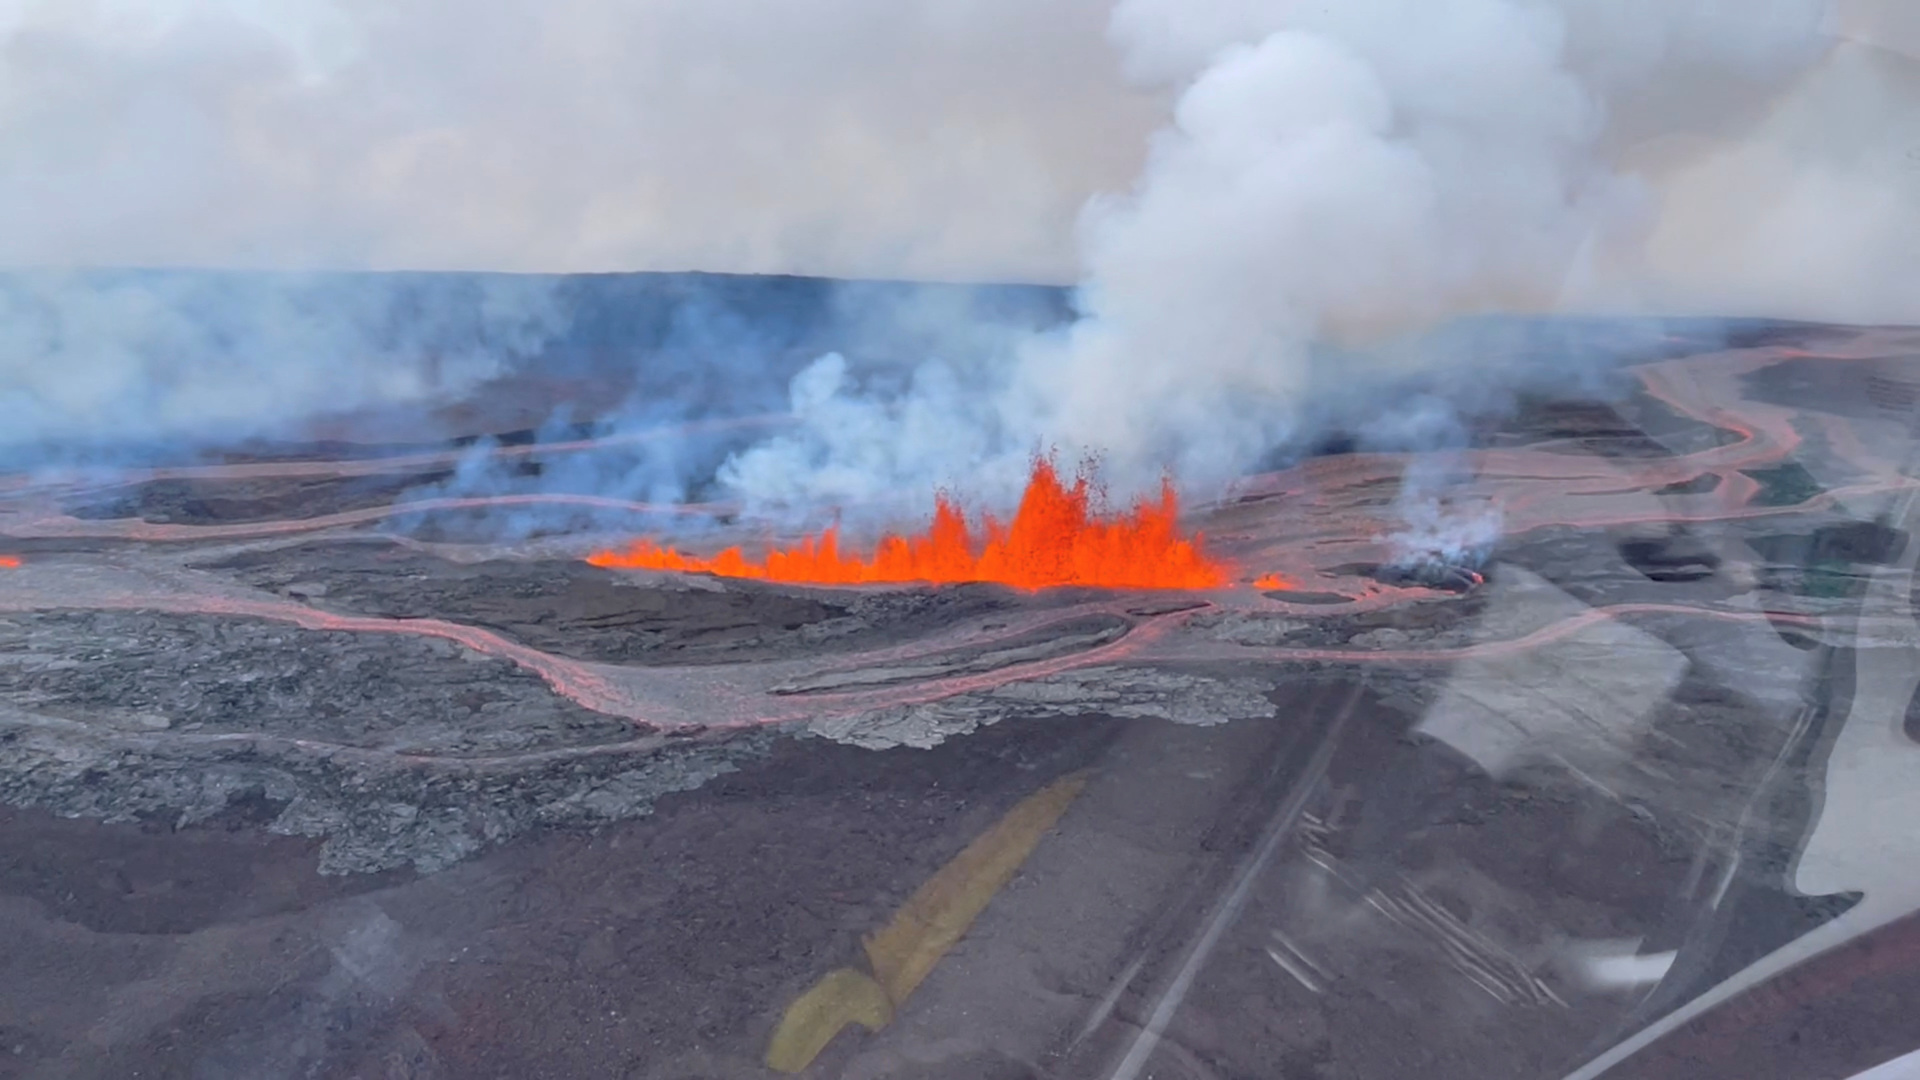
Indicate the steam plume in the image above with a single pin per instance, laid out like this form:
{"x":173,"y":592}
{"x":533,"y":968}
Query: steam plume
{"x":1340,"y":173}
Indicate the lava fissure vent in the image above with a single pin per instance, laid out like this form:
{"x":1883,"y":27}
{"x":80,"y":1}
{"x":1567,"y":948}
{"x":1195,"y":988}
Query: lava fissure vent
{"x":1057,"y":538}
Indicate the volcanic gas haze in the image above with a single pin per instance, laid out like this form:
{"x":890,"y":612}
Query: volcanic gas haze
{"x":1328,"y":181}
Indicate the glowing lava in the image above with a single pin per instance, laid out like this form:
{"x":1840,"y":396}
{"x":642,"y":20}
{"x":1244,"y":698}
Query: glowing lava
{"x":1055,"y":538}
{"x":9,"y":562}
{"x":1273,"y":583}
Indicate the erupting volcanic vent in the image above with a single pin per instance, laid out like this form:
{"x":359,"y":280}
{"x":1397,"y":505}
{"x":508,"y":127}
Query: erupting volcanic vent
{"x":1055,"y":538}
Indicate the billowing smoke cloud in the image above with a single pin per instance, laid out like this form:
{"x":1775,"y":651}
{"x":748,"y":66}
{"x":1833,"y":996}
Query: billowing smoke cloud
{"x":1334,"y":174}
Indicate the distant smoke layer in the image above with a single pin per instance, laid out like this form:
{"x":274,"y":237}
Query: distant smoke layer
{"x":1330,"y":181}
{"x":107,"y":362}
{"x":110,"y":367}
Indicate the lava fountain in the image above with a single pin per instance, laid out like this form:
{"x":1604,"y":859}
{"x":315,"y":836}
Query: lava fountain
{"x":1055,"y":538}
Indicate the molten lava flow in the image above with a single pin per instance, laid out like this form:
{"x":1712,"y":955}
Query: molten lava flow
{"x":9,"y":562}
{"x":1273,"y":583}
{"x":1054,"y":539}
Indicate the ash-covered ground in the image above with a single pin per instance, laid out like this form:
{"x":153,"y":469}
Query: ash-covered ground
{"x":301,"y":780}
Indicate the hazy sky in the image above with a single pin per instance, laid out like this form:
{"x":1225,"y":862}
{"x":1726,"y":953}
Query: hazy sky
{"x":942,"y":138}
{"x":916,"y":138}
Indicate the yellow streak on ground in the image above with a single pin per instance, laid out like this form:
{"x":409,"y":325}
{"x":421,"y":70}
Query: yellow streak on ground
{"x":843,"y":997}
{"x":905,"y":951}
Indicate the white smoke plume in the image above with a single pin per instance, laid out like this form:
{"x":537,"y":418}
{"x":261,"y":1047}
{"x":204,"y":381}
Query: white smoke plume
{"x":1342,"y":172}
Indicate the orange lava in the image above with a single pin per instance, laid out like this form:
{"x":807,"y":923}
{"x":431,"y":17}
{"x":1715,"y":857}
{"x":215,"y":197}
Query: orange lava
{"x":9,"y":562}
{"x":1055,"y":538}
{"x":1273,"y":582}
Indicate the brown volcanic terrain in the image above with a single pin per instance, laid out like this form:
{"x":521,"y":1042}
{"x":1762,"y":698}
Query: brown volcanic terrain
{"x":294,"y":789}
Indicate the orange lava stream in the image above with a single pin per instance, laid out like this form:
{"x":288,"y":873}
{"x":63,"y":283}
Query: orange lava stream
{"x":1055,"y":539}
{"x":9,"y":562}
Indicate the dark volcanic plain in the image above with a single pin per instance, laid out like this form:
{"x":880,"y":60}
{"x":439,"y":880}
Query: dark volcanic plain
{"x":304,"y":776}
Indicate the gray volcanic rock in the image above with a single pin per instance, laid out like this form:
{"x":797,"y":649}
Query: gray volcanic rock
{"x":209,"y":674}
{"x":395,"y":750}
{"x":1180,"y":697}
{"x":1062,"y":639}
{"x":571,"y":609}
